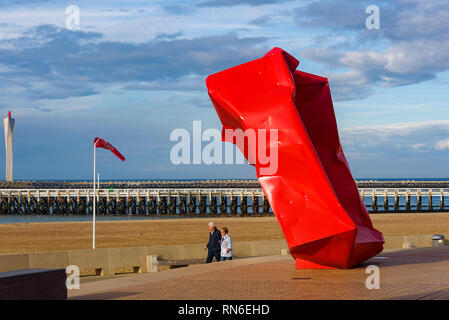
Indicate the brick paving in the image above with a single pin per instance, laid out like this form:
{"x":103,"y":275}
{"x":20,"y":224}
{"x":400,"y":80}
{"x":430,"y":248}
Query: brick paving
{"x":420,"y":273}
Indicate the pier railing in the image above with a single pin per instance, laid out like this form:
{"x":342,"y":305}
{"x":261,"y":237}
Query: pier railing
{"x":197,"y":202}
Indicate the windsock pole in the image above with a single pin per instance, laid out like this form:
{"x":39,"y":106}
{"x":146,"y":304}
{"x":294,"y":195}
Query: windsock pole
{"x":94,"y":203}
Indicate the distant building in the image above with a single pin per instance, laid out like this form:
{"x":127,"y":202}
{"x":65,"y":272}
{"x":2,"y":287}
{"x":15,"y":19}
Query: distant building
{"x":9,"y":134}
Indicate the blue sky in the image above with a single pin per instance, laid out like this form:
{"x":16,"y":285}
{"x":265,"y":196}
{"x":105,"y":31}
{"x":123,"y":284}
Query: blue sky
{"x":135,"y":71}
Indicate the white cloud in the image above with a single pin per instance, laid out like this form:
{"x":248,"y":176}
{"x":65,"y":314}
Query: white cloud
{"x":398,"y":149}
{"x":398,"y":129}
{"x":411,"y":46}
{"x":397,"y":138}
{"x":442,"y":145}
{"x":418,"y":146}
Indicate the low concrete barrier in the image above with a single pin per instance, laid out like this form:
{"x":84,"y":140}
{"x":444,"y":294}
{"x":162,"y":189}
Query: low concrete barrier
{"x":97,"y":260}
{"x":140,"y":259}
{"x":128,"y":257}
{"x":11,"y":262}
{"x":410,"y":241}
{"x":177,"y":252}
{"x":52,"y":259}
{"x":144,"y":259}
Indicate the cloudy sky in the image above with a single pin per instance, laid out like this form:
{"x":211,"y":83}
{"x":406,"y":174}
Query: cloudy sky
{"x":135,"y":70}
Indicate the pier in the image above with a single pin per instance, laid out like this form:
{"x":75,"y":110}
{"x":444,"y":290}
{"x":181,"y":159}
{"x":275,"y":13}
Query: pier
{"x":192,"y":202}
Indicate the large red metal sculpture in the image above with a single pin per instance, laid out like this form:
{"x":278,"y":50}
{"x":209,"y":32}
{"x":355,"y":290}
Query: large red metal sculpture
{"x":312,"y":193}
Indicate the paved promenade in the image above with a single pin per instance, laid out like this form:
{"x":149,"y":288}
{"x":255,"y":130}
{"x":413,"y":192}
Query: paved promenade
{"x":420,"y":273}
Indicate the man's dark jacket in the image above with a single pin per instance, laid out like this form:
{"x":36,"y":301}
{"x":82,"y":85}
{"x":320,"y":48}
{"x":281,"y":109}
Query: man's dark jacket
{"x":214,"y":245}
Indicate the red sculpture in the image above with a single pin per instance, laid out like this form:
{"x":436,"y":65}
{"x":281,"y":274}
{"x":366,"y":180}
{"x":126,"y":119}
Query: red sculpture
{"x":312,"y":193}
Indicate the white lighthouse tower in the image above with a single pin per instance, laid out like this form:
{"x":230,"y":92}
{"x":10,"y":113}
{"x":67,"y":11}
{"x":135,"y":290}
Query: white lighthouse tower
{"x":9,"y":134}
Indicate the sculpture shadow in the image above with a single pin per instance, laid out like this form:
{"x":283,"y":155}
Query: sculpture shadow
{"x":408,"y":257}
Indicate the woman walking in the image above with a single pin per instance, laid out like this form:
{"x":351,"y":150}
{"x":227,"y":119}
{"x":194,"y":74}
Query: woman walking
{"x":226,"y":245}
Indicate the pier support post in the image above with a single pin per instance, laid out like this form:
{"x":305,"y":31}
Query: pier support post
{"x":169,"y":204}
{"x":202,"y":204}
{"x":362,"y":195}
{"x":213,"y":208}
{"x":255,"y":204}
{"x":374,"y":201}
{"x":407,"y":202}
{"x":396,"y":200}
{"x":77,"y":202}
{"x":418,"y":201}
{"x":9,"y":203}
{"x":233,"y":204}
{"x":158,"y":200}
{"x":29,"y":201}
{"x":223,"y":205}
{"x":128,"y":211}
{"x":265,"y":206}
{"x":243,"y":205}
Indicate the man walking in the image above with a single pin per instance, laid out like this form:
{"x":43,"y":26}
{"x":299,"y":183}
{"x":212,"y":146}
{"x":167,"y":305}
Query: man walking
{"x":213,"y":246}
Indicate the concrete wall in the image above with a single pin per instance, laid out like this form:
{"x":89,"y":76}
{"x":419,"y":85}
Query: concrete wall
{"x":141,"y":259}
{"x":97,"y":260}
{"x":12,"y":262}
{"x":177,"y":252}
{"x":107,"y":261}
{"x":413,"y":241}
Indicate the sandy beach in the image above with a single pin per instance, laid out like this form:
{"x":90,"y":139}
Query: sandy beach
{"x":54,"y":236}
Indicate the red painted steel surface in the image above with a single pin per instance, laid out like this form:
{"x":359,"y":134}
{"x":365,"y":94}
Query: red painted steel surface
{"x":312,"y":193}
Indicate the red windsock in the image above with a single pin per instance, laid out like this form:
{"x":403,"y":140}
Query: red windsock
{"x":100,"y":143}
